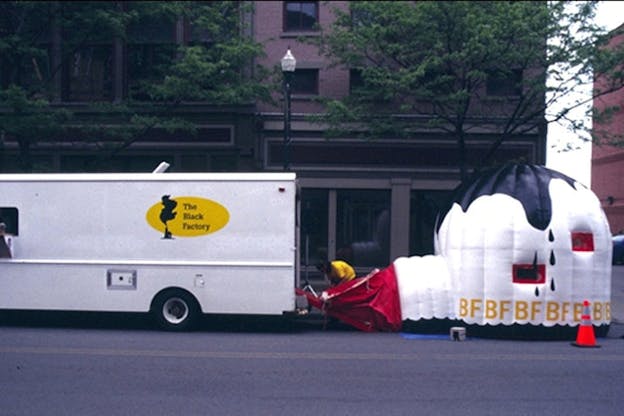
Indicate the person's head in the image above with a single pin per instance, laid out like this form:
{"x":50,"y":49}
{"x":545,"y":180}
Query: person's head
{"x":2,"y":228}
{"x":324,"y":267}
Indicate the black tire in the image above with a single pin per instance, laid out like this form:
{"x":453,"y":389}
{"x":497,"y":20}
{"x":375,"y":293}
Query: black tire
{"x":175,"y":310}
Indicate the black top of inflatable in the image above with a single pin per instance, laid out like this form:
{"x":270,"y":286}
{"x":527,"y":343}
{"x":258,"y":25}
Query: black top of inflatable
{"x":526,"y":183}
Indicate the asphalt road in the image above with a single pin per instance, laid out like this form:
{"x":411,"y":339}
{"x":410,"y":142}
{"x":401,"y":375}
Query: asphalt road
{"x":83,"y":371}
{"x":100,"y":366}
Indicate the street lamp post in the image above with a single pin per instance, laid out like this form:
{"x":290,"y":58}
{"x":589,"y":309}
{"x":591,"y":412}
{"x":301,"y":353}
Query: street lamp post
{"x":289,"y":64}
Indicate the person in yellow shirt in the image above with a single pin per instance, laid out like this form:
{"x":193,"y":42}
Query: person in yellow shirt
{"x":337,"y":271}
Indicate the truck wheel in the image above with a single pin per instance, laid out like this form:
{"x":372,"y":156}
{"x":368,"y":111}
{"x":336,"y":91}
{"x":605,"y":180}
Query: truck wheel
{"x":175,"y":310}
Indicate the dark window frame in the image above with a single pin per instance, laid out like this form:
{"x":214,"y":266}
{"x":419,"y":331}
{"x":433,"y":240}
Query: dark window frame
{"x":87,"y":74}
{"x":582,"y":241}
{"x":301,"y":26}
{"x":529,"y":273}
{"x":363,"y":226}
{"x":356,"y":79}
{"x":10,"y":217}
{"x":306,"y":82}
{"x":504,"y":84}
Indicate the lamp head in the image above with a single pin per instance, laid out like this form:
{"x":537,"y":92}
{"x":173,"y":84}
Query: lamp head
{"x":288,"y":62}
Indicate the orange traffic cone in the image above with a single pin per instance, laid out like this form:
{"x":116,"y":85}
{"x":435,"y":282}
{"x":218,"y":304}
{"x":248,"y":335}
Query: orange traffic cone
{"x":585,"y":337}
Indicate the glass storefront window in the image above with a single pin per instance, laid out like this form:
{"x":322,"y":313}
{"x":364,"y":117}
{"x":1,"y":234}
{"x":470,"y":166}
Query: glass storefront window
{"x":314,"y":220}
{"x":424,"y":208}
{"x":347,"y":224}
{"x":363,"y":227}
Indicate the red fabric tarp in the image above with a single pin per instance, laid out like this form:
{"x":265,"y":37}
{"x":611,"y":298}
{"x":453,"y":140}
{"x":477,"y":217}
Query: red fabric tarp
{"x":368,"y":303}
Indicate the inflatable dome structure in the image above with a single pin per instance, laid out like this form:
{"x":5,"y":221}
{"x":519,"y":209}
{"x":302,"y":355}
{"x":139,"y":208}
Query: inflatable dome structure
{"x":518,"y":251}
{"x":526,"y":245}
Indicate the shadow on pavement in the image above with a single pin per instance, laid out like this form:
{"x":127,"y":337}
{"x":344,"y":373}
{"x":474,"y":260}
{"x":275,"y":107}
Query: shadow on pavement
{"x":144,"y":322}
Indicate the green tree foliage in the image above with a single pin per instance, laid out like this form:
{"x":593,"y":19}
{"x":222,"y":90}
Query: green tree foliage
{"x":46,"y":46}
{"x":214,"y":66}
{"x":458,"y":67}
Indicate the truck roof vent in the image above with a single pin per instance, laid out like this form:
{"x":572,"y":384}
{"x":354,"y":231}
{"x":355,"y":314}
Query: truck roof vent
{"x":161,"y":168}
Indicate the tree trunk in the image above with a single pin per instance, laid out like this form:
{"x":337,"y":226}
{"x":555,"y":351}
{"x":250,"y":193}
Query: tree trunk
{"x":461,"y":157}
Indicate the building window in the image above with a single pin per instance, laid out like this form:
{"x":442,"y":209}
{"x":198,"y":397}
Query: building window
{"x":361,"y":17}
{"x":144,"y":63}
{"x":150,"y":47}
{"x":306,"y":82}
{"x":34,"y":73}
{"x":504,"y":84}
{"x":314,"y":221}
{"x":9,"y":217}
{"x":356,"y":80}
{"x":425,"y":206}
{"x":300,"y":16}
{"x":8,"y":229}
{"x":363,"y":227}
{"x":89,"y":74}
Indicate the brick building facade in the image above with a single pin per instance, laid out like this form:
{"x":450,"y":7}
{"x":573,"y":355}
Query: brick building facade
{"x":368,"y":201}
{"x":608,"y":160}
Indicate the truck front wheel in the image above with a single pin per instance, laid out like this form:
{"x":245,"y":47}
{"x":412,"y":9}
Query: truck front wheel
{"x":175,"y":310}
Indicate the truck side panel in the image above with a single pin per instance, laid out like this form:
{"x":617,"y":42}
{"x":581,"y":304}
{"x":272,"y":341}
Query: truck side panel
{"x":219,"y":289}
{"x":111,"y":242}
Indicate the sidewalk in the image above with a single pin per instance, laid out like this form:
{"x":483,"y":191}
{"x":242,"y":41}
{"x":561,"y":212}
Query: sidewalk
{"x":617,"y":303}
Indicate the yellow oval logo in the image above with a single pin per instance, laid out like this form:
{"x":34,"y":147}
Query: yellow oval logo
{"x":187,"y":216}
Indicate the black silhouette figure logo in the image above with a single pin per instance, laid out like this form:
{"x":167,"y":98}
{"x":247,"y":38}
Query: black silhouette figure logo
{"x":167,"y":213}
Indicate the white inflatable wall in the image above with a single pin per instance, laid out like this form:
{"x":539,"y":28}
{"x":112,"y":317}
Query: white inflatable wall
{"x":496,"y":263}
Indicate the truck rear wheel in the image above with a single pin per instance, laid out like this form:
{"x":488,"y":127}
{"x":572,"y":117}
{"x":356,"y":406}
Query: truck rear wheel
{"x":175,"y":310}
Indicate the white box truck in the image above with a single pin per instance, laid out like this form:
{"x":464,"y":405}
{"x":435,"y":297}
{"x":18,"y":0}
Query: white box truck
{"x":176,"y":245}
